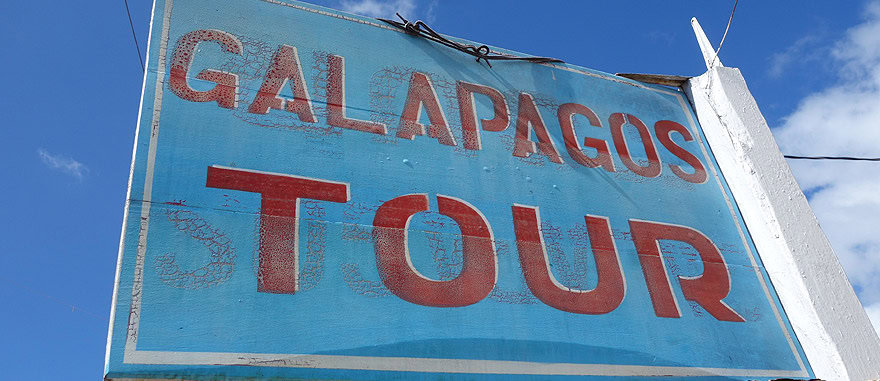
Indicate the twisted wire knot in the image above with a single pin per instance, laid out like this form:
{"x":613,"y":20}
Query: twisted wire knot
{"x":482,"y":52}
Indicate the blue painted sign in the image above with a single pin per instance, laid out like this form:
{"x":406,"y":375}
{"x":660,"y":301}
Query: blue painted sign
{"x":318,"y":195}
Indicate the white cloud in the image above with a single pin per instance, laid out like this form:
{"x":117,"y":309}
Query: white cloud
{"x":431,"y":13}
{"x":874,"y":313}
{"x":804,"y":49}
{"x":844,"y":120}
{"x":63,"y":164}
{"x":379,"y":8}
{"x":861,"y":51}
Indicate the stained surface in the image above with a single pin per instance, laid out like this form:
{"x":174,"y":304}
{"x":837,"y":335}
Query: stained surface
{"x":192,"y":291}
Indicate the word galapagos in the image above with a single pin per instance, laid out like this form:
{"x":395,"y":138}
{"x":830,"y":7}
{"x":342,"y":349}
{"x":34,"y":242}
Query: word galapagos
{"x":286,"y":68}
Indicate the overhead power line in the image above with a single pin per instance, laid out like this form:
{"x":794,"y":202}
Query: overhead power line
{"x":832,"y":158}
{"x":730,"y":20}
{"x":134,"y":36}
{"x":797,"y":157}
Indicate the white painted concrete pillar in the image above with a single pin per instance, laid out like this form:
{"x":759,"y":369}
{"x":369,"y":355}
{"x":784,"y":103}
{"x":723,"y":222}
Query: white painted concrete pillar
{"x":830,"y":323}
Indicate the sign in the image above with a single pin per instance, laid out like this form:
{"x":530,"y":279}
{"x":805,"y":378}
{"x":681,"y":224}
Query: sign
{"x":319,"y":195}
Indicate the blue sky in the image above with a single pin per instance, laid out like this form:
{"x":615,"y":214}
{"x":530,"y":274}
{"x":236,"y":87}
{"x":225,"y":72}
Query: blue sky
{"x":73,"y":82}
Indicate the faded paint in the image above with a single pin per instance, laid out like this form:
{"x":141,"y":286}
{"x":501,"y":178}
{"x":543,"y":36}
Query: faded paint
{"x":311,"y":205}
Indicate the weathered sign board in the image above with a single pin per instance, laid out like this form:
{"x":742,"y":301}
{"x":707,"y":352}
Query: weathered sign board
{"x":319,"y":195}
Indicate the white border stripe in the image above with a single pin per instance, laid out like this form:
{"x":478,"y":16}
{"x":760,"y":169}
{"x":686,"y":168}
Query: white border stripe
{"x":428,"y":365}
{"x":134,"y":314}
{"x":128,"y":198}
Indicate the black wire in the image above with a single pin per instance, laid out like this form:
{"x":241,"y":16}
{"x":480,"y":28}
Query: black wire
{"x":832,"y":158}
{"x":730,"y":20}
{"x":134,"y":36}
{"x":482,"y":52}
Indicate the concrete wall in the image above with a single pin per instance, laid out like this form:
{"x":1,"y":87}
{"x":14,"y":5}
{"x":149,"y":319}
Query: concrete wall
{"x":831,"y":324}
